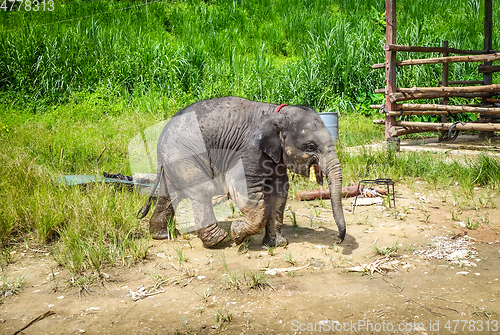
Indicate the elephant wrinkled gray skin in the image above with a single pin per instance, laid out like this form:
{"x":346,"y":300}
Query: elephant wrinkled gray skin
{"x":241,"y":148}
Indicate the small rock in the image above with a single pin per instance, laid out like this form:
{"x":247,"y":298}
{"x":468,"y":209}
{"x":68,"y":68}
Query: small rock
{"x":463,"y":273}
{"x":92,"y":309}
{"x":200,"y":277}
{"x":60,"y":297}
{"x":459,"y":254}
{"x":161,"y":255}
{"x":2,"y":321}
{"x":317,"y":263}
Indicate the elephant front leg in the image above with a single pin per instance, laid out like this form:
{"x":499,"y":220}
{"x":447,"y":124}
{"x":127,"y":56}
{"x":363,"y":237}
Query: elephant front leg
{"x":273,"y":236}
{"x":279,"y":194}
{"x":256,"y":213}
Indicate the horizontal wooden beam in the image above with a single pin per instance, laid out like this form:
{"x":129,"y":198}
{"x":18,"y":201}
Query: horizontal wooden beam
{"x":442,"y":112}
{"x":446,"y":126}
{"x":462,"y":82}
{"x":444,"y":60}
{"x":450,"y":83}
{"x":397,"y":97}
{"x":396,"y":131}
{"x":488,"y":68}
{"x":440,"y":92}
{"x":435,"y":109}
{"x":460,"y":108}
{"x":410,"y":48}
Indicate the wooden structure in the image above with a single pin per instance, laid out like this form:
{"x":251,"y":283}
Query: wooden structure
{"x":488,"y":108}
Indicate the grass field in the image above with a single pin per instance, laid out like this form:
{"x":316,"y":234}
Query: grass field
{"x":71,"y":89}
{"x":300,"y":51}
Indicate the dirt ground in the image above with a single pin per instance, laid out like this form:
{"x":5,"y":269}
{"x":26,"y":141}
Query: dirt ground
{"x":416,"y":295}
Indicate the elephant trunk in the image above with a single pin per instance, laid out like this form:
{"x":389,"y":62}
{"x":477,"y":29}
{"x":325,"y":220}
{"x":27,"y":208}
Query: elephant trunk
{"x":330,"y":165}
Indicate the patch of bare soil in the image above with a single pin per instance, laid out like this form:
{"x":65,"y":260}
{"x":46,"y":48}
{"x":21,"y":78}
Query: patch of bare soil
{"x":312,"y":285}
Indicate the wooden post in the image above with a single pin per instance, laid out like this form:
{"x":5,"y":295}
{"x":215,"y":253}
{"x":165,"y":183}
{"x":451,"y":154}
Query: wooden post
{"x":488,"y":45}
{"x":443,"y":135}
{"x":488,"y":36}
{"x":390,"y":60}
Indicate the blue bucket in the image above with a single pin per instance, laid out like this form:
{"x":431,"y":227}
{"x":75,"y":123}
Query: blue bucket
{"x":331,"y":121}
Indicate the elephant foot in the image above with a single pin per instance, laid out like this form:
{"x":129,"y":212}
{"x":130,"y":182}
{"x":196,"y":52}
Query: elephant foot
{"x":211,"y":235}
{"x":277,"y":241}
{"x":159,"y":229}
{"x":238,"y":232}
{"x":161,"y":219}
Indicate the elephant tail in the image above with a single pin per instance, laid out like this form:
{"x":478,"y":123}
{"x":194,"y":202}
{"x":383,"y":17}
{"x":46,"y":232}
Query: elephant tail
{"x":144,"y":210}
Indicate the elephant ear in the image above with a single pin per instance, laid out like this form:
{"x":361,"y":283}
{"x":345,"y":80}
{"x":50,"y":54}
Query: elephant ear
{"x":268,"y":136}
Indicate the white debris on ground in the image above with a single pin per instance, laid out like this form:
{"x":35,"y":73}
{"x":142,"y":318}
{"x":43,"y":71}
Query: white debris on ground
{"x":457,"y":249}
{"x":142,"y":293}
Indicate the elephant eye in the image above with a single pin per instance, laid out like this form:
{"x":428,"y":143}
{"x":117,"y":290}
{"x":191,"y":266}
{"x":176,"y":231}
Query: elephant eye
{"x":311,"y":146}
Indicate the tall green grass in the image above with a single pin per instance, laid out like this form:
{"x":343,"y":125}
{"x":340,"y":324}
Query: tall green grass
{"x":300,"y":51}
{"x":89,"y":227}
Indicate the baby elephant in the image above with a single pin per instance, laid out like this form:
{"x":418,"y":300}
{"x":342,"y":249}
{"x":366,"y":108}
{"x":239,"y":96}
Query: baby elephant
{"x":241,"y":148}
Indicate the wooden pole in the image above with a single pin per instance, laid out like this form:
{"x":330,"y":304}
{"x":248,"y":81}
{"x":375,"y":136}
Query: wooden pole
{"x":405,"y":127}
{"x":488,"y":36}
{"x":440,"y":60}
{"x":440,"y":112}
{"x":390,"y":60}
{"x":446,"y":126}
{"x":410,"y":48}
{"x":488,"y":44}
{"x":440,"y":92}
{"x":462,"y":82}
{"x":444,"y":118}
{"x":459,"y":109}
{"x":488,"y":69}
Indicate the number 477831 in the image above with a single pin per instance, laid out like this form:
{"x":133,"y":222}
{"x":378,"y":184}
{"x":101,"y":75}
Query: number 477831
{"x":27,"y":5}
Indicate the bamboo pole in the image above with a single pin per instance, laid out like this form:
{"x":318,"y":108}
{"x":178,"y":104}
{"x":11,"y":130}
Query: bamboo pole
{"x":441,"y":60}
{"x":439,"y":92}
{"x":410,"y":48}
{"x":451,"y":108}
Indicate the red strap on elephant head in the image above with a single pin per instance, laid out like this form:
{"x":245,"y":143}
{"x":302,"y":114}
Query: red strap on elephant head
{"x":280,"y":106}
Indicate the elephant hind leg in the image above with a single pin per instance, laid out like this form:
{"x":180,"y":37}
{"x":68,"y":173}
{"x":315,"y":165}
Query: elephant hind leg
{"x":211,"y":235}
{"x":162,"y":217}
